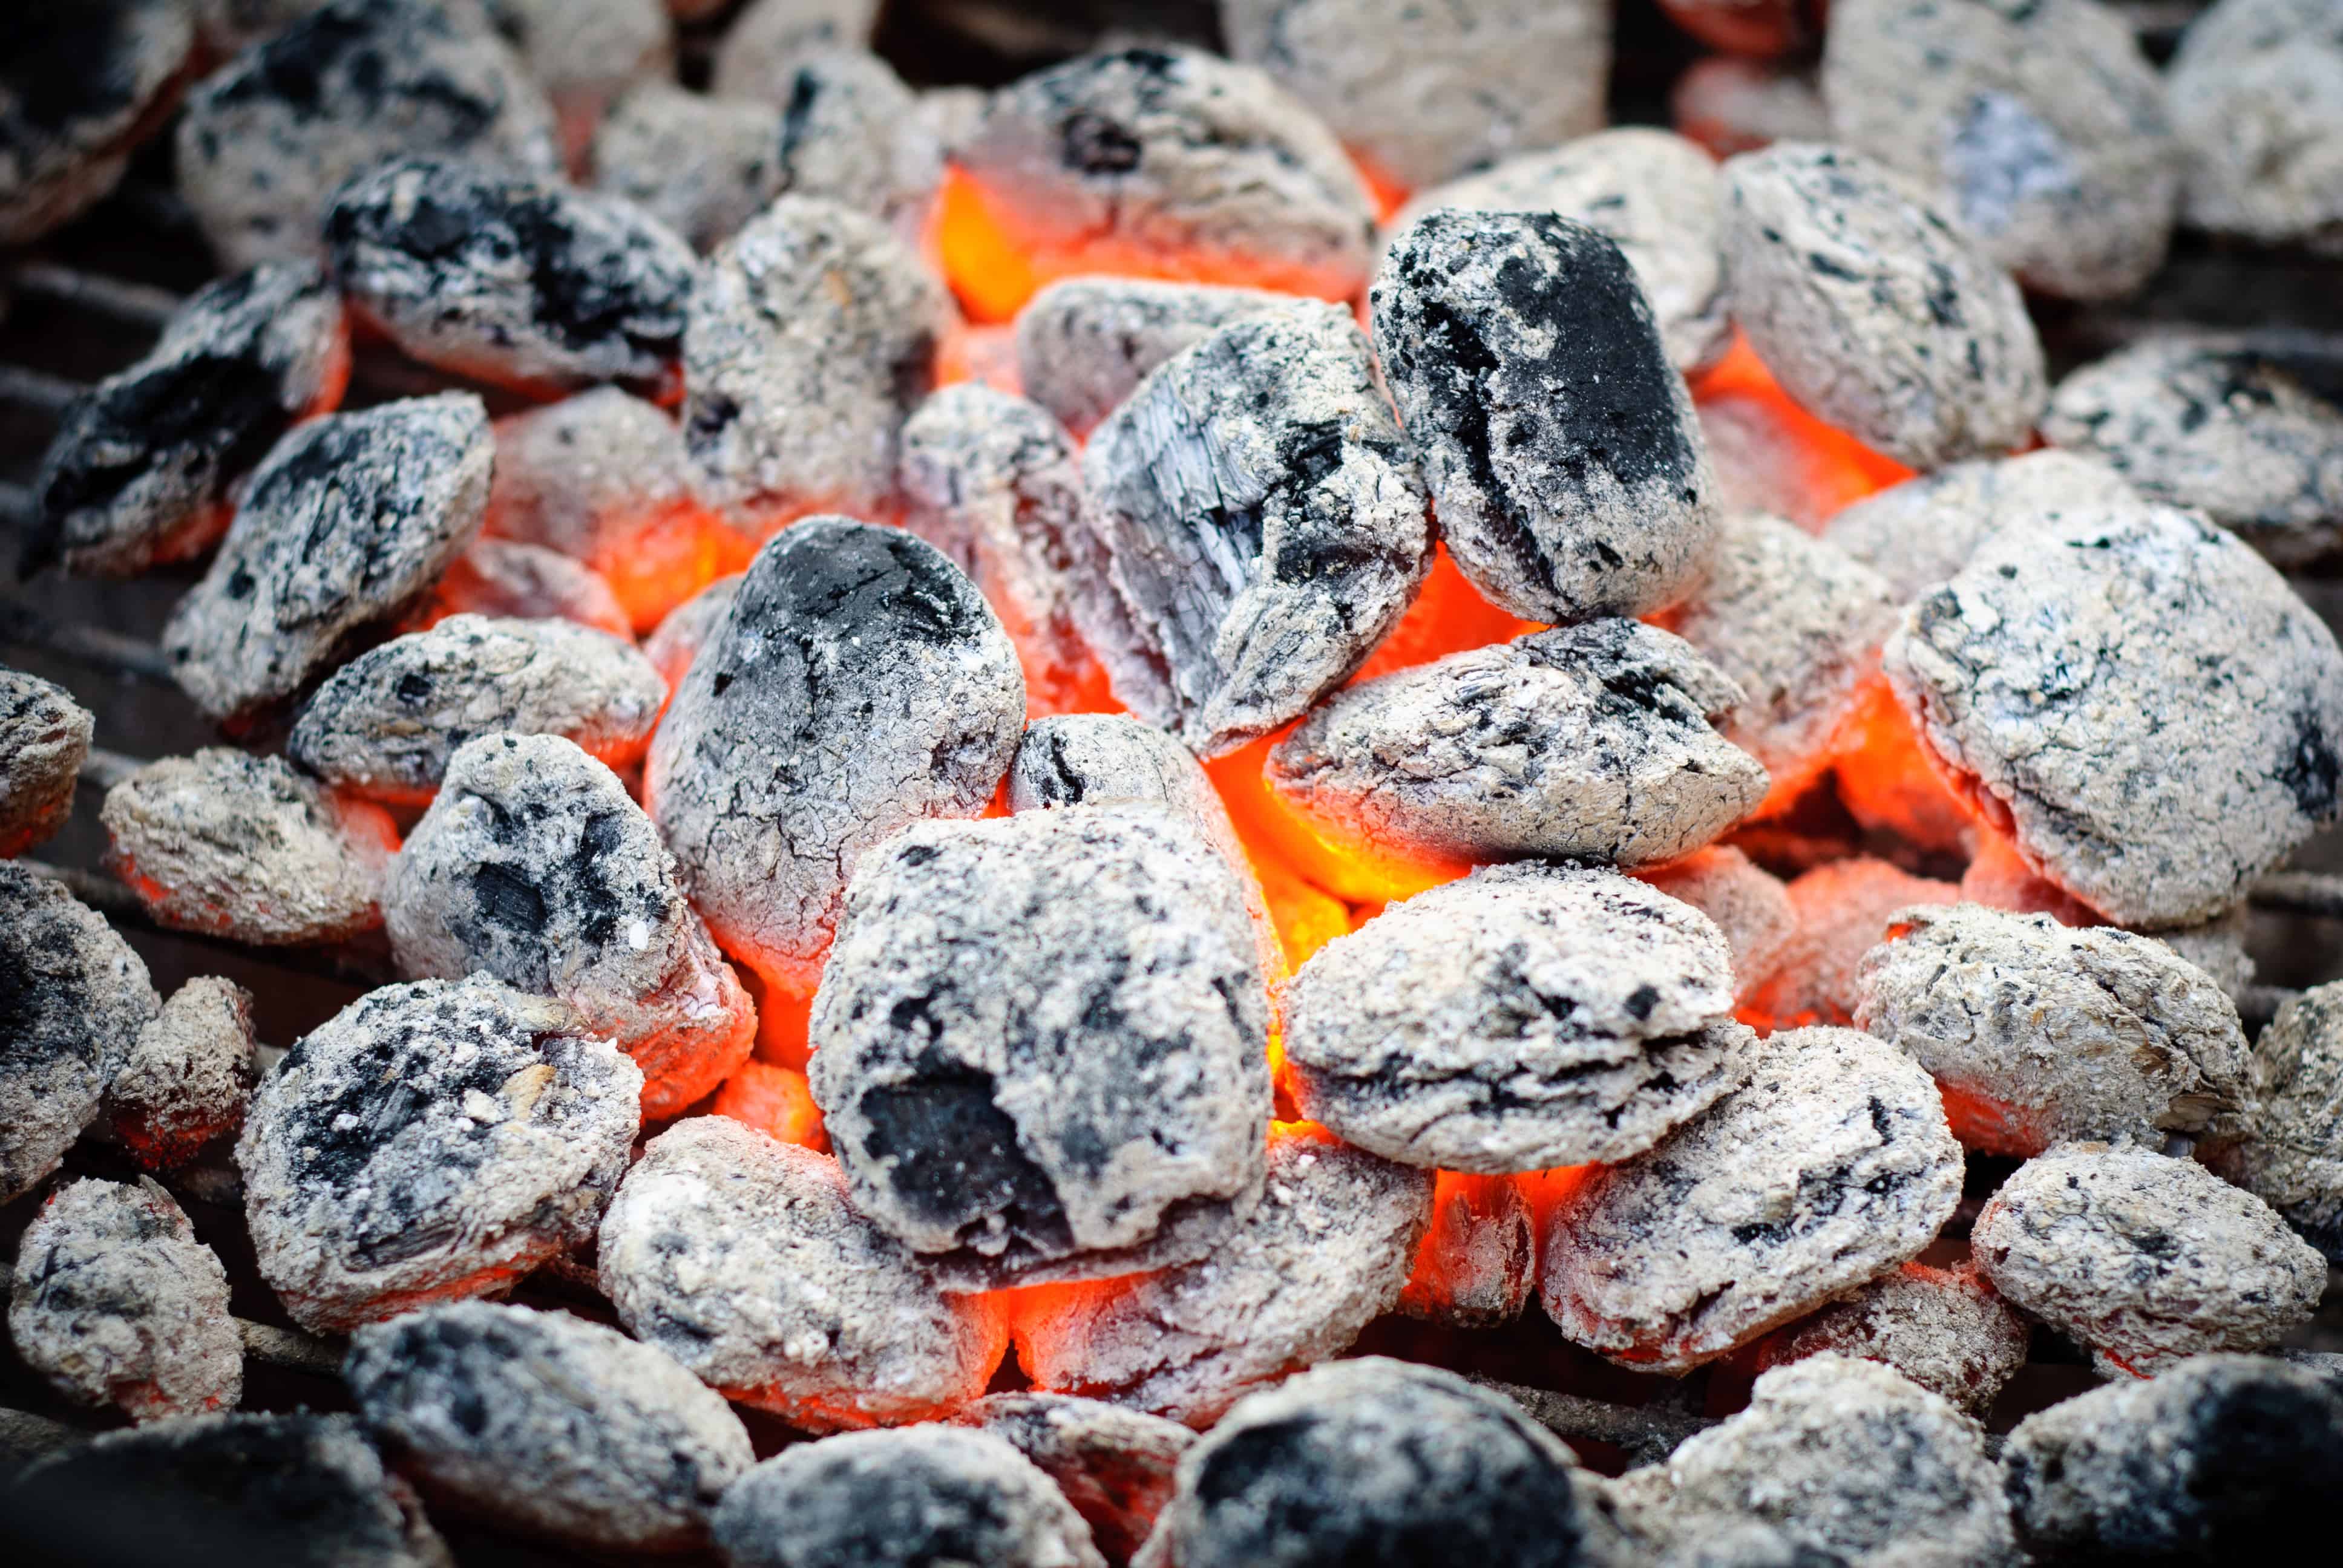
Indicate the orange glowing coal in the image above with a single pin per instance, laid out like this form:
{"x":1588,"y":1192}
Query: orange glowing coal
{"x":1274,"y":830}
{"x":775,"y":1100}
{"x":1771,"y":453}
{"x":1885,"y":780}
{"x":363,"y":822}
{"x":665,"y":559}
{"x":1478,"y":1255}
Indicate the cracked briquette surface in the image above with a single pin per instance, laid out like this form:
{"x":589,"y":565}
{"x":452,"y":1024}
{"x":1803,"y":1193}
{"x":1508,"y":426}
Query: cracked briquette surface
{"x":1945,"y":1329}
{"x":1039,"y":1045}
{"x":509,"y":279}
{"x":388,"y":723}
{"x":429,"y":1141}
{"x":1588,"y":742}
{"x":579,"y":475}
{"x":188,"y":1077}
{"x":1656,"y":196}
{"x":346,"y":522}
{"x":75,"y":83}
{"x":771,"y":38}
{"x":1830,"y":1166}
{"x":1571,"y":477}
{"x":1114,"y":1465}
{"x":687,"y":629}
{"x":2289,"y":1154}
{"x":268,"y":139}
{"x":2256,"y":97}
{"x":43,"y":738}
{"x":2041,"y":128}
{"x":740,"y":1256}
{"x":1524,"y":1017}
{"x":73,"y":998}
{"x":613,"y":1445}
{"x":2139,"y":700}
{"x":1750,"y":905}
{"x":1873,"y":310}
{"x":1842,"y":911}
{"x":534,"y":866}
{"x":2143,"y":1258}
{"x":1085,"y":344}
{"x":1919,"y":534}
{"x":1263,"y":524}
{"x":140,"y":469}
{"x":859,"y":682}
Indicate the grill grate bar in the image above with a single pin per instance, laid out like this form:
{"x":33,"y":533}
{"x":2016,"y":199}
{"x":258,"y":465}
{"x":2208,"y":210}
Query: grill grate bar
{"x":138,"y":303}
{"x":20,"y":384}
{"x":22,"y":626}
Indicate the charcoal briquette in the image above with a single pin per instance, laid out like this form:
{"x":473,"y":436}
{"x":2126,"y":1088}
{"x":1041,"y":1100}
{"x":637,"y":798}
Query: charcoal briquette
{"x":1085,"y":344}
{"x":688,"y":628}
{"x":2257,"y":95}
{"x":505,"y":580}
{"x":1749,"y":904}
{"x":188,"y":1077}
{"x":1114,"y":1465}
{"x":585,"y":53}
{"x":582,"y":475}
{"x":79,"y":83}
{"x":849,"y":131}
{"x":702,"y":165}
{"x":2220,"y":947}
{"x":231,"y":26}
{"x":1945,"y":1329}
{"x":44,"y":739}
{"x":1919,"y":534}
{"x":2289,"y":1154}
{"x":1843,"y":911}
{"x":771,"y":38}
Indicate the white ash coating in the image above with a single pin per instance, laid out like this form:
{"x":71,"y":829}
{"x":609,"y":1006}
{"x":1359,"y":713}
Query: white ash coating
{"x":1843,"y":911}
{"x":2256,"y":97}
{"x":345,"y":523}
{"x":859,"y":682}
{"x":582,"y":475}
{"x":2142,"y":1259}
{"x":1729,"y":103}
{"x":268,"y":139}
{"x":1114,"y":1465}
{"x":506,"y":579}
{"x":1873,"y":310}
{"x":702,"y":165}
{"x":771,"y":38}
{"x":740,"y":1256}
{"x":1654,"y":194}
{"x":141,"y":468}
{"x":1479,"y":1261}
{"x":1570,"y":474}
{"x":906,"y":1499}
{"x":1085,"y":344}
{"x":2139,"y":700}
{"x":1750,"y":905}
{"x":429,"y":1141}
{"x":43,"y":738}
{"x":534,"y":866}
{"x":2218,"y":947}
{"x":1588,"y":742}
{"x":188,"y":1077}
{"x":1328,"y":1251}
{"x":1945,"y":1329}
{"x":553,"y":1425}
{"x":1524,"y":1017}
{"x":388,"y":722}
{"x":2289,"y":1154}
{"x":227,"y":842}
{"x":688,"y":628}
{"x":77,"y":84}
{"x":1920,"y":534}
{"x":1832,"y":1165}
{"x":115,"y":1302}
{"x":585,"y":53}
{"x":2227,"y":433}
{"x":952,"y":112}
{"x":809,"y":338}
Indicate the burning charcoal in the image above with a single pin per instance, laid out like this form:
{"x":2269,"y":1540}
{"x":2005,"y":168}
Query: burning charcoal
{"x":776,"y":1102}
{"x":1264,"y":523}
{"x":929,"y":1495}
{"x":1873,"y":310}
{"x":1754,"y":30}
{"x":953,"y":112}
{"x":559,"y":1427}
{"x":533,"y":866}
{"x":2253,"y":96}
{"x":431,"y":1141}
{"x":688,"y":629}
{"x":243,"y":847}
{"x":1560,"y":444}
{"x":1842,"y":911}
{"x":850,"y":131}
{"x":1920,"y":534}
{"x":585,"y":53}
{"x":1735,"y":106}
{"x":2291,"y":1152}
{"x":1329,"y":1250}
{"x":1085,"y":344}
{"x":2139,"y":700}
{"x":2037,"y":1034}
{"x":583,"y":475}
{"x":809,"y":338}
{"x":188,"y":1077}
{"x":1478,"y":1262}
{"x":140,"y":472}
{"x":1114,"y":1465}
{"x":1945,"y":1329}
{"x":44,"y":739}
{"x":703,"y":166}
{"x":771,"y":38}
{"x":115,"y":1302}
{"x":858,"y":683}
{"x":2217,"y":947}
{"x":1832,"y":1165}
{"x":81,"y":85}
{"x":740,"y":1257}
{"x":506,"y":580}
{"x":1751,"y":907}
{"x":2142,"y":1259}
{"x":2225,"y":432}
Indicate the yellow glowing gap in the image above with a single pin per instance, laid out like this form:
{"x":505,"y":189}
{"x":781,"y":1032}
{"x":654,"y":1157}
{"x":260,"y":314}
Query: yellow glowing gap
{"x":988,"y":271}
{"x":1274,"y":830}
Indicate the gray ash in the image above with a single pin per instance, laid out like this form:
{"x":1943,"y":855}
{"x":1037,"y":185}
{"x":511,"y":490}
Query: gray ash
{"x":585,"y":475}
{"x":189,"y":1078}
{"x":506,"y":579}
{"x":771,"y":38}
{"x":687,"y":629}
{"x":44,"y":738}
{"x":1750,"y":905}
{"x":1114,"y":1465}
{"x":2289,"y":1152}
{"x":1947,"y":1330}
{"x":77,"y":84}
{"x":702,"y":165}
{"x":2253,"y":97}
{"x":848,"y":130}
{"x":1085,"y":344}
{"x":1919,"y":534}
{"x":1843,"y":910}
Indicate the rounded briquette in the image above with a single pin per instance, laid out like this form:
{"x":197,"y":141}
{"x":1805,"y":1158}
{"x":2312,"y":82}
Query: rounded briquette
{"x":688,"y":628}
{"x":79,"y":85}
{"x":1919,"y":534}
{"x":2289,"y":1152}
{"x":583,"y":475}
{"x":701,"y":165}
{"x":1945,"y":1329}
{"x":1085,"y":344}
{"x":771,"y":38}
{"x":2257,"y":95}
{"x":1114,"y":1465}
{"x":43,"y":738}
{"x":1750,"y":905}
{"x":852,"y":132}
{"x":585,"y":53}
{"x":189,"y":1076}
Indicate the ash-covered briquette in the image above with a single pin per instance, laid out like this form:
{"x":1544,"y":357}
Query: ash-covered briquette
{"x":1832,"y":1165}
{"x":582,"y":475}
{"x":510,"y":279}
{"x":1750,"y":905}
{"x":431,"y":1141}
{"x":585,"y":53}
{"x":546,"y":1422}
{"x":702,"y":165}
{"x":688,"y":628}
{"x":771,"y":38}
{"x":2289,"y":1154}
{"x":740,"y":1256}
{"x":858,"y":683}
{"x":140,"y":471}
{"x":1085,"y":344}
{"x":2038,"y":1033}
{"x":79,"y":86}
{"x":505,"y":580}
{"x":1587,"y":741}
{"x":1731,"y":105}
{"x":1114,"y":1465}
{"x":1264,"y":522}
{"x":2254,"y":94}
{"x":534,"y":866}
{"x":1873,"y":310}
{"x":44,"y":738}
{"x":2223,"y":431}
{"x":2219,"y":947}
{"x":1523,"y":1018}
{"x":1920,"y":534}
{"x":345,"y":524}
{"x":1478,"y":1262}
{"x":188,"y":1077}
{"x":242,"y":846}
{"x":1945,"y":1329}
{"x":1038,"y":1046}
{"x":2135,"y":698}
{"x":115,"y":1302}
{"x":388,"y":723}
{"x":1842,"y":911}
{"x":2142,"y":1259}
{"x":1559,"y":443}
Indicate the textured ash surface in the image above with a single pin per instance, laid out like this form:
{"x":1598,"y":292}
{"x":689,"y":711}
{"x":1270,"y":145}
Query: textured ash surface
{"x":430,"y":1140}
{"x":1559,"y":443}
{"x":2291,"y":1152}
{"x":1114,"y":1465}
{"x":2218,"y":947}
{"x":1919,"y":534}
{"x":771,"y":38}
{"x":1085,"y":344}
{"x":2143,"y":1258}
{"x":703,"y":166}
{"x":849,"y":131}
{"x":345,"y":524}
{"x":859,"y":682}
{"x":740,"y":1257}
{"x":1874,"y":311}
{"x":585,"y":53}
{"x":387,"y":723}
{"x":1264,"y":522}
{"x":1751,"y":906}
{"x":1945,"y":1329}
{"x":75,"y":83}
{"x":2257,"y":95}
{"x":580,"y":475}
{"x":188,"y":1076}
{"x":560,"y":1427}
{"x":43,"y":738}
{"x":1843,"y":911}
{"x":141,"y":467}
{"x":2139,"y":700}
{"x":688,"y":628}
{"x":1584,"y":741}
{"x":1832,"y":1165}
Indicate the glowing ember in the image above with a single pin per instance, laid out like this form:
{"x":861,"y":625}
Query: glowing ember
{"x":1479,"y":1259}
{"x":776,"y":1102}
{"x":1772,"y":455}
{"x":1885,"y":778}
